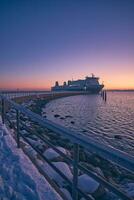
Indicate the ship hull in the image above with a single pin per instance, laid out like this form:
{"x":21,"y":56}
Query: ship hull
{"x":88,"y":85}
{"x":90,"y":90}
{"x":95,"y":90}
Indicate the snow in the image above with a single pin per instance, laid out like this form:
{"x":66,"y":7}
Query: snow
{"x":99,"y":171}
{"x":87,"y":184}
{"x":35,"y":142}
{"x":19,"y":178}
{"x":63,"y":167}
{"x":129,"y":188}
{"x":52,"y":154}
{"x":88,"y":196}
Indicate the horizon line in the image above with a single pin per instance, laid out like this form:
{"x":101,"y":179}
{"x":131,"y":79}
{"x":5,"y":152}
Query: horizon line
{"x":49,"y":89}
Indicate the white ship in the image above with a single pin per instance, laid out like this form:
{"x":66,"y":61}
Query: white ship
{"x":90,"y":84}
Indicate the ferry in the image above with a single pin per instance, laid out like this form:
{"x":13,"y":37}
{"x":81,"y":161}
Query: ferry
{"x":90,"y":84}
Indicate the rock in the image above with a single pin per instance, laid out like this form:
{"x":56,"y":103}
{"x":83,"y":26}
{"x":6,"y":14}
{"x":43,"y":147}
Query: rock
{"x":129,"y":188}
{"x":35,"y":142}
{"x":63,"y":167}
{"x":99,"y":192}
{"x":88,"y":196}
{"x":72,"y":122}
{"x":24,"y":132}
{"x":82,"y":156}
{"x":13,"y":121}
{"x":51,"y":154}
{"x":68,"y":116}
{"x":13,"y":110}
{"x":56,"y":115}
{"x":28,"y":124}
{"x":99,"y":171}
{"x":31,"y":152}
{"x":90,"y":186}
{"x":62,"y":118}
{"x":66,"y":193}
{"x":118,"y":137}
{"x":93,"y":159}
{"x":87,"y":184}
{"x":84,"y":131}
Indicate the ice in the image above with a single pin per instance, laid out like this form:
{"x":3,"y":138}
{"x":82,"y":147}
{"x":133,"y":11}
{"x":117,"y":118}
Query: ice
{"x":129,"y":188}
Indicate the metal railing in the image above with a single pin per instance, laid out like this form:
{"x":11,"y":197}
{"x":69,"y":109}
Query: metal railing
{"x":16,"y":94}
{"x":118,"y":157}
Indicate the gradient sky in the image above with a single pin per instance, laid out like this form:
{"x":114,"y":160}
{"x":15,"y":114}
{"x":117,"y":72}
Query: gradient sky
{"x":46,"y":40}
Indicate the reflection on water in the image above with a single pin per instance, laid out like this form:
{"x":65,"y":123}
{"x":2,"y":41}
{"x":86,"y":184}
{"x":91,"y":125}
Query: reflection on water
{"x":111,"y":122}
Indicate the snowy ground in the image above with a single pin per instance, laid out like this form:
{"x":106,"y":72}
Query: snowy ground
{"x":19,"y":178}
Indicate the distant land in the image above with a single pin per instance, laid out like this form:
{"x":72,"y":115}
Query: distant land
{"x":41,"y":90}
{"x":120,"y":90}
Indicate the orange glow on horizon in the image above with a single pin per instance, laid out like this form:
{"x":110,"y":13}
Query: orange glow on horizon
{"x":114,"y":77}
{"x":114,"y":82}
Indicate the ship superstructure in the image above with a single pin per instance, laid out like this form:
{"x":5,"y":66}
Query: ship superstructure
{"x":90,"y":84}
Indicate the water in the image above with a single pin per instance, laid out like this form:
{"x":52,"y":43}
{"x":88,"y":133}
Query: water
{"x":100,"y":120}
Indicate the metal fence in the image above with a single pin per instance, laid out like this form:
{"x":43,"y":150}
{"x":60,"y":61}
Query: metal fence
{"x":115,"y":156}
{"x":16,"y":94}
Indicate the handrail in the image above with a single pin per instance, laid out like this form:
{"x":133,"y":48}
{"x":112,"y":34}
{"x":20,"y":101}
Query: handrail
{"x":23,"y":93}
{"x":120,"y":158}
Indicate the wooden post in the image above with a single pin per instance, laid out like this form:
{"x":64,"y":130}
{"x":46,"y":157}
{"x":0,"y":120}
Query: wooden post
{"x":105,"y":96}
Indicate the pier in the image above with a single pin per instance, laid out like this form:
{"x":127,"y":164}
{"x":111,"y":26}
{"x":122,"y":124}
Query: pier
{"x":119,"y":158}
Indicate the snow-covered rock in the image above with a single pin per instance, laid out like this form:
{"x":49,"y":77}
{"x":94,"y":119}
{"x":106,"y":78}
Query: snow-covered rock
{"x":35,"y":142}
{"x":24,"y":132}
{"x":13,"y":110}
{"x":66,"y":193}
{"x":51,"y":154}
{"x":13,"y":121}
{"x":99,"y":171}
{"x":31,"y":152}
{"x":28,"y":124}
{"x":88,"y":196}
{"x":87,"y":184}
{"x":129,"y":188}
{"x":63,"y":167}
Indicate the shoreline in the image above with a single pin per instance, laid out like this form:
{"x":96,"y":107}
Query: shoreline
{"x":43,"y":99}
{"x":93,"y":162}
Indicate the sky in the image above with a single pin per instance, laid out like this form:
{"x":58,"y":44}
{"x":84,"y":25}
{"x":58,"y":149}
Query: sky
{"x":42,"y":41}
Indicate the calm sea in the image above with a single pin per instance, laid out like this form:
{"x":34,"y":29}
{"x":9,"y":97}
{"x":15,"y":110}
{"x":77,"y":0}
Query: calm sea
{"x":110,"y":122}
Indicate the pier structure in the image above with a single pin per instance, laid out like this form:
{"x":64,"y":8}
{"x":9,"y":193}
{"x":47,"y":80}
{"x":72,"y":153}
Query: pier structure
{"x":27,"y":95}
{"x":119,"y":158}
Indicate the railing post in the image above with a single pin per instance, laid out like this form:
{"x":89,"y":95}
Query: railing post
{"x":18,"y":128}
{"x":3,"y":111}
{"x":75,"y":172}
